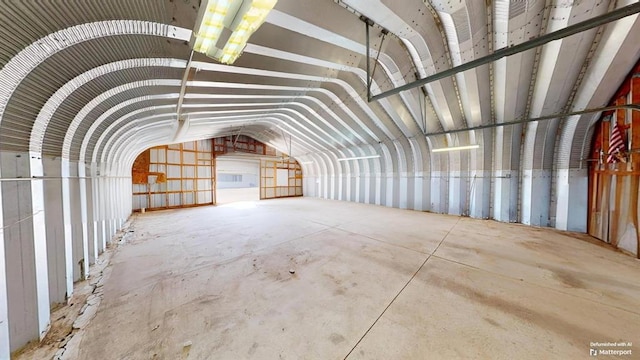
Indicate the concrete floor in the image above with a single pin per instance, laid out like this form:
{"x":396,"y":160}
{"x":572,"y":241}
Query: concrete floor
{"x":369,"y":283}
{"x":227,"y":196}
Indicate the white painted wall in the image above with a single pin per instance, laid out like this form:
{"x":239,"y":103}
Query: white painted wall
{"x":5,"y":345}
{"x":57,"y":247}
{"x":24,"y":248}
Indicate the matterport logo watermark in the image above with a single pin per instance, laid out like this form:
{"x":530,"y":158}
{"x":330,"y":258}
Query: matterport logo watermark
{"x":621,"y":348}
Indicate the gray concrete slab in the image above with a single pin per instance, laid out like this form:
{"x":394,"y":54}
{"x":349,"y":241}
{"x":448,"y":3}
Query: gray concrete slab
{"x":369,"y":283}
{"x":227,"y":196}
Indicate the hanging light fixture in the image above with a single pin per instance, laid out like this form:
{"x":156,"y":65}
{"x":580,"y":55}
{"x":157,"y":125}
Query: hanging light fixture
{"x":223,"y":27}
{"x":456,"y":148}
{"x":359,"y":158}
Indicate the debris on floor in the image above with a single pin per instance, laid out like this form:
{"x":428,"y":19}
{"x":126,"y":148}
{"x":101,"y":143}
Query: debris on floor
{"x":63,"y":339}
{"x":193,"y":274}
{"x":97,"y":277}
{"x":186,"y":348}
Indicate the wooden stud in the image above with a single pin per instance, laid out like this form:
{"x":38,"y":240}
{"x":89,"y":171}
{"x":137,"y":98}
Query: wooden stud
{"x":181,"y":176}
{"x":195,"y":182}
{"x":214,"y":177}
{"x":634,"y":98}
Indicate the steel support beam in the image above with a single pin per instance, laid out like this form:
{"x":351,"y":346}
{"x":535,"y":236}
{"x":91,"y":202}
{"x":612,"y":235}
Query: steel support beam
{"x":508,"y":51}
{"x":367,"y":23}
{"x":182,"y":123}
{"x":541,"y":118}
{"x":237,"y":137}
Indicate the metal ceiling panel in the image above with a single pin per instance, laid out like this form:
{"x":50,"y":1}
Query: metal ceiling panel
{"x":271,"y":37}
{"x":61,"y":119}
{"x":32,"y":93}
{"x":247,"y":89}
{"x":326,"y":15}
{"x":76,"y":142}
{"x":25,"y":22}
{"x":239,"y":78}
{"x":516,"y":8}
{"x":461,"y":21}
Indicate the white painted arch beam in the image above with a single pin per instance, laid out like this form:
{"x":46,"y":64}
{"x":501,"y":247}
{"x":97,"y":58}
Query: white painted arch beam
{"x":87,"y":108}
{"x":117,"y":148}
{"x":120,"y":139}
{"x":70,"y":135}
{"x":292,"y":115}
{"x":27,"y":60}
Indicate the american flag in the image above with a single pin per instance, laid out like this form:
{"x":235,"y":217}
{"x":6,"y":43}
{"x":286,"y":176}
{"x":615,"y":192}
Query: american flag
{"x":616,"y":144}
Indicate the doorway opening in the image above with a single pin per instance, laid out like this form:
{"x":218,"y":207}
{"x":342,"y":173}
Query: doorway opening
{"x":248,"y":170}
{"x":238,"y":178}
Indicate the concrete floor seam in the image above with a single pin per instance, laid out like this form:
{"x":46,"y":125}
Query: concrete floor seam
{"x":385,"y":242}
{"x":402,"y":289}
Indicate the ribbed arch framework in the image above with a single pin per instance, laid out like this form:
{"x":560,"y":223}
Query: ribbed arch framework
{"x":316,"y":107}
{"x":28,"y":59}
{"x":59,"y":97}
{"x":44,"y":116}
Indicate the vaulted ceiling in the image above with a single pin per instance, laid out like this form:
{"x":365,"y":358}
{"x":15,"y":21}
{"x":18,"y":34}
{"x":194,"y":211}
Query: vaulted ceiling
{"x":99,"y":81}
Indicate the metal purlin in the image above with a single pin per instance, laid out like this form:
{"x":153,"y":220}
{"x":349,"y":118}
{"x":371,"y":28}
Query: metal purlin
{"x":512,"y":50}
{"x":541,"y":118}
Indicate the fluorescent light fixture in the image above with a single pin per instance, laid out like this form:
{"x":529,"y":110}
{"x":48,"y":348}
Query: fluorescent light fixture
{"x":456,"y":148}
{"x":223,"y":27}
{"x":359,"y":158}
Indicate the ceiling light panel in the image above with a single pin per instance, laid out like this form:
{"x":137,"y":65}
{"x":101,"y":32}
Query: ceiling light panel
{"x":224,"y":27}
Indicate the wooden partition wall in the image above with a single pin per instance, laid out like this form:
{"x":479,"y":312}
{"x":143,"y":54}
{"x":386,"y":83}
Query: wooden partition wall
{"x":243,"y":144}
{"x":174,"y":176}
{"x":280,"y":178}
{"x":614,"y":186}
{"x":183,"y":175}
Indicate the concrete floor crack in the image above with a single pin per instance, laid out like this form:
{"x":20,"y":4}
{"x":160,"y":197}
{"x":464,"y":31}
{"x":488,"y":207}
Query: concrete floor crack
{"x":402,"y":289}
